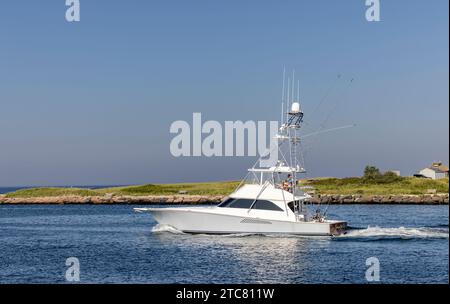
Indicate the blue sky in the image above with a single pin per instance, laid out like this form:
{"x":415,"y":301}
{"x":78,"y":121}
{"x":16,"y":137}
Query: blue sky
{"x":91,"y":102}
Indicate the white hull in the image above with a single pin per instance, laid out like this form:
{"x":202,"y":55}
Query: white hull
{"x":211,"y":220}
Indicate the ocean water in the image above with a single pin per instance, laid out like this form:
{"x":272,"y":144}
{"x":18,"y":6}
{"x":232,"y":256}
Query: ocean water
{"x":4,"y":190}
{"x":115,"y":245}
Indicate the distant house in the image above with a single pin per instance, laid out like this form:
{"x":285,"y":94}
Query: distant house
{"x":435,"y":171}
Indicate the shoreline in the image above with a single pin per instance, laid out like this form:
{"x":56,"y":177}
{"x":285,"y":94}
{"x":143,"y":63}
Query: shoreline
{"x":108,"y":199}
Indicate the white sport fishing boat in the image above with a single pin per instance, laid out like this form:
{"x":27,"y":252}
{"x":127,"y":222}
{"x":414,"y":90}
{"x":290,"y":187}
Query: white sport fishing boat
{"x":268,"y":200}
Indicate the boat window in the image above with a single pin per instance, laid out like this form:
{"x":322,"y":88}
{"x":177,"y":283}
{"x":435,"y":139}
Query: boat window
{"x":226,"y":202}
{"x":291,"y":205}
{"x":237,"y":203}
{"x":246,"y":203}
{"x":266,"y":205}
{"x":241,"y":203}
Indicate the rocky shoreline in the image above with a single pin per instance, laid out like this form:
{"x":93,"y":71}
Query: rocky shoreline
{"x":425,"y":199}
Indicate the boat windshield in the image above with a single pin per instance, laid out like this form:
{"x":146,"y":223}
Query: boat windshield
{"x":247,"y":203}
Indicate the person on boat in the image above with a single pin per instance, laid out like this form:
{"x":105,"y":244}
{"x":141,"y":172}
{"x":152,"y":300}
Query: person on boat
{"x":290,"y":183}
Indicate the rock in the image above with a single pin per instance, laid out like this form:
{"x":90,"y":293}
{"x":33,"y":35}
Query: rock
{"x":214,"y":199}
{"x":325,"y":199}
{"x":386,"y":199}
{"x":349,"y":199}
{"x":377,"y":199}
{"x":428,"y":199}
{"x":178,"y":200}
{"x":366,"y":199}
{"x":399,"y":199}
{"x":415,"y":199}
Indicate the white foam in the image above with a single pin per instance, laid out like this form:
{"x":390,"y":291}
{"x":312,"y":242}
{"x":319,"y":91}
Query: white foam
{"x":166,"y":228}
{"x":369,"y":233}
{"x":399,"y":232}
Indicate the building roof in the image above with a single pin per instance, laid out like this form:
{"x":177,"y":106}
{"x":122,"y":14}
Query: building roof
{"x":440,"y":169}
{"x":443,"y":168}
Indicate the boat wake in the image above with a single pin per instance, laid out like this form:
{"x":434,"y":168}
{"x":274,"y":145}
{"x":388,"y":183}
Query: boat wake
{"x":374,"y":233}
{"x":160,"y":228}
{"x":405,"y":233}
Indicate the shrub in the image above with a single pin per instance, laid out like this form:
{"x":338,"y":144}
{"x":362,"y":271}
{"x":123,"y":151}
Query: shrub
{"x":371,"y":173}
{"x":390,"y":177}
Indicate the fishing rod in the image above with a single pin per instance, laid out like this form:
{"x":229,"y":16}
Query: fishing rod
{"x":328,"y":130}
{"x":327,"y":117}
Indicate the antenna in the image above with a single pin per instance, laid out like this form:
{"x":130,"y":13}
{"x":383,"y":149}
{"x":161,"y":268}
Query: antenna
{"x":293,"y":85}
{"x":288,"y":103}
{"x":282,"y":96}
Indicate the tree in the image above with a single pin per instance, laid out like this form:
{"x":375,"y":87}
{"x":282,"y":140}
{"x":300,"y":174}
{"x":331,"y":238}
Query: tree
{"x":371,"y":173}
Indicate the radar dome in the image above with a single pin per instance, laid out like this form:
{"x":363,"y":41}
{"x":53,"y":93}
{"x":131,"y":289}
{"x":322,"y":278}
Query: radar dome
{"x":295,"y":107}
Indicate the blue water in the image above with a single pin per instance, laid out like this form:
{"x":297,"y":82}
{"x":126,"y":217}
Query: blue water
{"x":116,"y":245}
{"x":4,"y":190}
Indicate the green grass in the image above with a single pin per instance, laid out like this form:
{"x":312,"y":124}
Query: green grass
{"x":356,"y":185}
{"x":46,"y":192}
{"x":351,"y":185}
{"x":213,"y":188}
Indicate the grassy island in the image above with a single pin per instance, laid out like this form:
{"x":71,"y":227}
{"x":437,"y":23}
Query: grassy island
{"x":212,"y":188}
{"x":339,"y":186}
{"x":400,"y":186}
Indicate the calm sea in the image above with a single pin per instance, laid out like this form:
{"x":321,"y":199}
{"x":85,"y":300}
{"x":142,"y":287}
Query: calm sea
{"x":115,"y":245}
{"x":4,"y":190}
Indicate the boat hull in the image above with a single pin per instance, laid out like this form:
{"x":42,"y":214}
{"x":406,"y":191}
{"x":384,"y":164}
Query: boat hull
{"x":191,"y":221}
